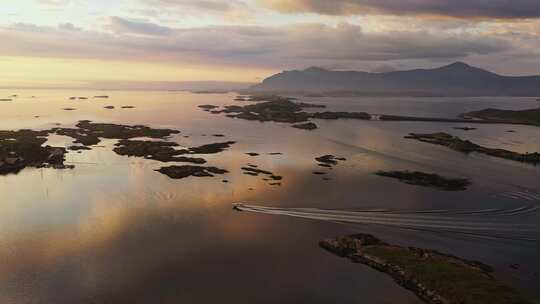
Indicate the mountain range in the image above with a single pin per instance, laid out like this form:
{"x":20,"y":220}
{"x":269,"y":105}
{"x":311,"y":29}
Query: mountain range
{"x":456,"y":79}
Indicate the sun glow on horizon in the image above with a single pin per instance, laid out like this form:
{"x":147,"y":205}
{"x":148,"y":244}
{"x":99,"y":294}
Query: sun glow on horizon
{"x":55,"y":72}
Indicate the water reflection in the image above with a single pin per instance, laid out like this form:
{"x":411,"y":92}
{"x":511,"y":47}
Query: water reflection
{"x":115,"y":231}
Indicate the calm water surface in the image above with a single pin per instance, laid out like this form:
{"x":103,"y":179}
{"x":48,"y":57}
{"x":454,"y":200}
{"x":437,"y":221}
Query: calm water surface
{"x":115,"y":231}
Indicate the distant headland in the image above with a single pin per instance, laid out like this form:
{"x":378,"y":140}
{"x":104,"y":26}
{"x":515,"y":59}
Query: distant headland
{"x":456,"y":79}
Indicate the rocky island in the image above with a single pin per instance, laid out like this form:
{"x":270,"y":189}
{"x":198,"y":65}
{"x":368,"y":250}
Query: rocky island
{"x":179,"y":172}
{"x":25,"y":148}
{"x":329,"y":160}
{"x":427,"y":180}
{"x":305,"y":126}
{"x":526,"y":117}
{"x":282,"y":109}
{"x":466,"y":146}
{"x":156,"y":150}
{"x":486,"y":116}
{"x":435,"y":277}
{"x":255,"y":171}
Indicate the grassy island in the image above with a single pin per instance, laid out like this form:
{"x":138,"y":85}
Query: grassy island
{"x":466,"y":146}
{"x":433,"y":276}
{"x":526,"y":117}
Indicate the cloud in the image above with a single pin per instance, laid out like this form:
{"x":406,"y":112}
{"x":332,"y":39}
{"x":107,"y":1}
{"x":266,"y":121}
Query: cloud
{"x":450,"y":8}
{"x":202,"y":5}
{"x":229,"y":10}
{"x":348,"y":42}
{"x":54,"y":2}
{"x":299,"y":44}
{"x":124,"y":26}
{"x":68,"y":27}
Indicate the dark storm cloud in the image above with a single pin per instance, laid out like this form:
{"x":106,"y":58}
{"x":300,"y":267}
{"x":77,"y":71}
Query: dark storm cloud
{"x":451,"y":8}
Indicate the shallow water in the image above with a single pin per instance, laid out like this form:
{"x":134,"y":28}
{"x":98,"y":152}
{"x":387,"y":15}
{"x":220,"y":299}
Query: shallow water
{"x":115,"y":231}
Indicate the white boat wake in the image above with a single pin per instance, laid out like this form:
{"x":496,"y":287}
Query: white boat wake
{"x":496,"y":223}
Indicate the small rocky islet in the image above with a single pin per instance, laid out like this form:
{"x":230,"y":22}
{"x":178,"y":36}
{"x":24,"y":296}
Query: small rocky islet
{"x":427,"y":180}
{"x":88,"y":133}
{"x":305,"y":126}
{"x":327,"y":161}
{"x":465,"y":128}
{"x":155,"y":150}
{"x":271,"y":178}
{"x":165,"y":151}
{"x":435,"y":277}
{"x":207,"y":107}
{"x":179,"y":172}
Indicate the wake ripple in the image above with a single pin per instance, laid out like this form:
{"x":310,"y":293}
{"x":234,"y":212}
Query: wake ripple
{"x":523,"y":195}
{"x":488,"y":222}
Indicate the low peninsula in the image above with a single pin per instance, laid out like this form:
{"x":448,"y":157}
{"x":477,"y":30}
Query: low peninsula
{"x":466,"y":146}
{"x":435,"y":277}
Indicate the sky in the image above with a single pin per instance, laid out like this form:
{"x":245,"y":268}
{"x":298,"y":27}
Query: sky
{"x":130,"y":43}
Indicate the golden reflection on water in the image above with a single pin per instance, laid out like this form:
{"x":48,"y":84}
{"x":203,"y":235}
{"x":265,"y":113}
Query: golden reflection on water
{"x":113,"y":221}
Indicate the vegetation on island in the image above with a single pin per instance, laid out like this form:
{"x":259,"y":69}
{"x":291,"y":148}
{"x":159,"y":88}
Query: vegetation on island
{"x":433,"y":276}
{"x":528,"y":117}
{"x":466,"y":146}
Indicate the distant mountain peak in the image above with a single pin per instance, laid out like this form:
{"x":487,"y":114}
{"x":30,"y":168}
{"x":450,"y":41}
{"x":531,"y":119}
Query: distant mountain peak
{"x":455,"y":79}
{"x":314,"y":69}
{"x":459,"y":65}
